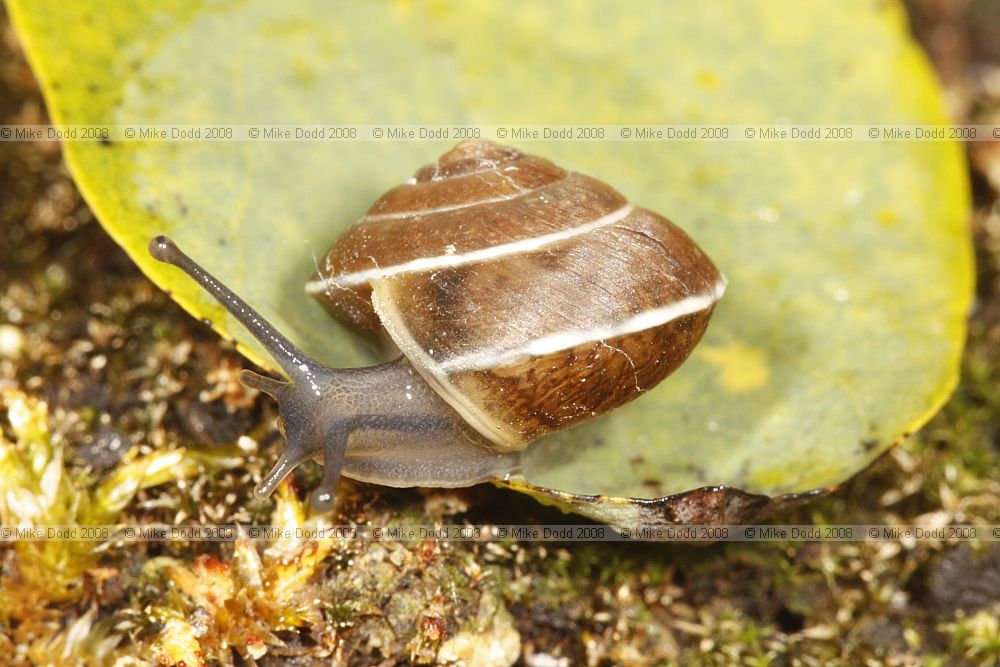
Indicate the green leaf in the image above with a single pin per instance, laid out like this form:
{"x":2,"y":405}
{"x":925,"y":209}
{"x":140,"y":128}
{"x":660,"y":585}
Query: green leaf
{"x":849,"y":261}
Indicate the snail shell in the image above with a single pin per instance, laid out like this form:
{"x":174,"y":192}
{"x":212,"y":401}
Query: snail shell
{"x":531,"y":298}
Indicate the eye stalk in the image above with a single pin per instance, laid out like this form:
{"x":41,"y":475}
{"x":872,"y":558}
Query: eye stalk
{"x":296,"y":364}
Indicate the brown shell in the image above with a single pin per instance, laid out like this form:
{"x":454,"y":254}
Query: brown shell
{"x":530,"y":297}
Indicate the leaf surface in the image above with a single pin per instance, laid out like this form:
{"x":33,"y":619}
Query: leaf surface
{"x":849,"y":261}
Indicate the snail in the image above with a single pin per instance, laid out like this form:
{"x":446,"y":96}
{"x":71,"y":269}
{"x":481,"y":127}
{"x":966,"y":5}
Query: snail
{"x":519,"y":299}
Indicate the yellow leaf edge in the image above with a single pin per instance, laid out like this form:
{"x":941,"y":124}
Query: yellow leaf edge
{"x":25,"y":17}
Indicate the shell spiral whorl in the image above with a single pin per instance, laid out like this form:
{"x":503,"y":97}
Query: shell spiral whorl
{"x":530,"y":297}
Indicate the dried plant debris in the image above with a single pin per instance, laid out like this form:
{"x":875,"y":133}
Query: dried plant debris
{"x":117,"y":408}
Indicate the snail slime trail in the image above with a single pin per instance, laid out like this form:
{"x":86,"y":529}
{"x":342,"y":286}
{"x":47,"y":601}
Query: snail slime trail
{"x":451,"y":269}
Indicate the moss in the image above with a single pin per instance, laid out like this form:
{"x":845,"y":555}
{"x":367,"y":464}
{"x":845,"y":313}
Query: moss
{"x":976,"y":637}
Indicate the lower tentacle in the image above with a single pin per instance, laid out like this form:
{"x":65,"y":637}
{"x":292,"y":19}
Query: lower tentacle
{"x":323,"y":496}
{"x":284,"y":466}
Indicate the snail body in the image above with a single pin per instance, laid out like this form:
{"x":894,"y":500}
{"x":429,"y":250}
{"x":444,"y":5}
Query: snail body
{"x":524,"y":299}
